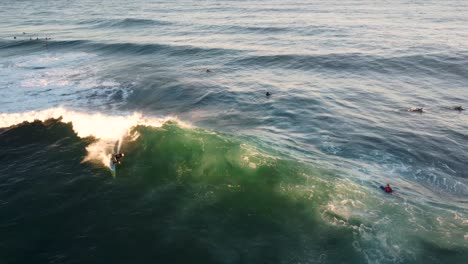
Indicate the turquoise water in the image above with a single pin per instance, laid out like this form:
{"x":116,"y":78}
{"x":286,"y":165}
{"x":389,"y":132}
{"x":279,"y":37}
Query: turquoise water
{"x":215,"y":171}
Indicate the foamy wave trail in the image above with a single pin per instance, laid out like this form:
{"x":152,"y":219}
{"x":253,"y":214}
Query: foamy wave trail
{"x":45,"y":80}
{"x":198,"y":188}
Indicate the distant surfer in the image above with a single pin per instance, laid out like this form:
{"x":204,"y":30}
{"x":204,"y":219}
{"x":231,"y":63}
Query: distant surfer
{"x":117,"y":157}
{"x":267,"y":93}
{"x":416,"y":109}
{"x":459,"y":108}
{"x":208,"y":70}
{"x":387,"y":188}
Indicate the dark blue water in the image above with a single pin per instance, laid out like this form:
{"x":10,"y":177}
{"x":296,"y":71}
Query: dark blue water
{"x":216,"y":171}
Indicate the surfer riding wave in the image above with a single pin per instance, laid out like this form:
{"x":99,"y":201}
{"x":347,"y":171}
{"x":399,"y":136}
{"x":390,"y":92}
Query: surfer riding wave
{"x":116,"y":158}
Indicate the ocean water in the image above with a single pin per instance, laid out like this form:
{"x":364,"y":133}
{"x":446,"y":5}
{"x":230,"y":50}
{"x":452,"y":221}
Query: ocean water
{"x":215,"y":171}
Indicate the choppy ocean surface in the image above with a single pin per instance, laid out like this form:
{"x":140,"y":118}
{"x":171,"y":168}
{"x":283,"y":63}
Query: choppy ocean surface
{"x":215,"y":171}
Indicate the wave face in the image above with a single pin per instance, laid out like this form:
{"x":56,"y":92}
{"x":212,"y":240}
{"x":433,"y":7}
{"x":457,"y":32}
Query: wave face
{"x":199,"y":195}
{"x":216,"y":171}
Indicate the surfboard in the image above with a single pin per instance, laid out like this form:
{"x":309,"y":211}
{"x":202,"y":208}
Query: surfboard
{"x":112,"y":167}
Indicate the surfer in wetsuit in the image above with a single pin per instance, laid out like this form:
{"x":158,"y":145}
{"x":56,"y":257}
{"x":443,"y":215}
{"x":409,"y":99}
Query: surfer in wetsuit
{"x":387,"y":188}
{"x":416,"y":109}
{"x":117,"y":158}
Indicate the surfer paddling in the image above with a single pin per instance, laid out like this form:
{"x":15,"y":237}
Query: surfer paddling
{"x":117,"y":157}
{"x":387,"y":188}
{"x":416,"y":109}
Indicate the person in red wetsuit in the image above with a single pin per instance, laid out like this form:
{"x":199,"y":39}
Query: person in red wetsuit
{"x":388,"y":189}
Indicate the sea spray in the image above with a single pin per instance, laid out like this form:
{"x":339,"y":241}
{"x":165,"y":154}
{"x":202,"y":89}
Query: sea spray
{"x":119,"y":144}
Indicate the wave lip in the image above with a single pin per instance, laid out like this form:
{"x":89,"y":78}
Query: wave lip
{"x":107,"y":129}
{"x":98,"y":125}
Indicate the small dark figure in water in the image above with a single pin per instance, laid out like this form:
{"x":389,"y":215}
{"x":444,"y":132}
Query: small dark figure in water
{"x":14,"y":37}
{"x":268,"y":94}
{"x":24,"y":33}
{"x":208,"y":70}
{"x":459,"y":108}
{"x":416,"y":109}
{"x":387,"y":188}
{"x":117,"y":158}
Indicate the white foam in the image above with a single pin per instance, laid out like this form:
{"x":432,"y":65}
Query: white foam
{"x":44,"y":80}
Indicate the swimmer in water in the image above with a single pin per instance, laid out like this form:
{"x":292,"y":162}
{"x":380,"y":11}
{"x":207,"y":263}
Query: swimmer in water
{"x":416,"y":109}
{"x":387,"y":188}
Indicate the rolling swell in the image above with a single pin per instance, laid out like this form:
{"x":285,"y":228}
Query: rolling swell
{"x":245,"y":29}
{"x":431,"y":64}
{"x":39,"y":44}
{"x":123,"y":23}
{"x":121,"y":48}
{"x":145,"y":49}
